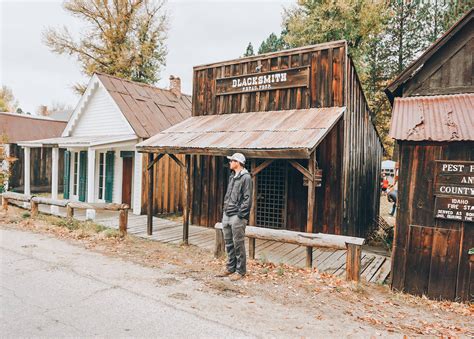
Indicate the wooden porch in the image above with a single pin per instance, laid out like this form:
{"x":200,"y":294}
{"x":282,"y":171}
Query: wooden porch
{"x":375,"y":266}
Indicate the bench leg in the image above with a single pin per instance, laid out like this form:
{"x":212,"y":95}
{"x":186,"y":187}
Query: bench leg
{"x":252,"y":248}
{"x":309,"y":257}
{"x":5,"y":203}
{"x":353,"y":259}
{"x":219,"y":248}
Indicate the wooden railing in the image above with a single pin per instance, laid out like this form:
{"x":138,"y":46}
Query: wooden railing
{"x":69,"y":205}
{"x":353,"y":245}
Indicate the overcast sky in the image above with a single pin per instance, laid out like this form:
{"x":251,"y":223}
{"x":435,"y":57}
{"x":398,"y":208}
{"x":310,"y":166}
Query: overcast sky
{"x":200,"y":32}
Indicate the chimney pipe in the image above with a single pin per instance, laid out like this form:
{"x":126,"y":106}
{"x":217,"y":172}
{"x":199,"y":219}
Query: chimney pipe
{"x":175,"y":85}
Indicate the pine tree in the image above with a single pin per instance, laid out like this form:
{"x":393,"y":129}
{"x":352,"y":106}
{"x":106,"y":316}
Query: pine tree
{"x":249,"y":51}
{"x":273,"y":43}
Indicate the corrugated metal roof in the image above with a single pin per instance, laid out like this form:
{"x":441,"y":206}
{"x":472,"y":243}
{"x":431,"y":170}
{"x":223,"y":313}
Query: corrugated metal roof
{"x":437,"y":118}
{"x":148,"y":109}
{"x":20,"y":127}
{"x":277,"y":133}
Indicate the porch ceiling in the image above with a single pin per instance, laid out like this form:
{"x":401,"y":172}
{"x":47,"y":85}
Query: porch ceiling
{"x":273,"y":134}
{"x":79,"y":141}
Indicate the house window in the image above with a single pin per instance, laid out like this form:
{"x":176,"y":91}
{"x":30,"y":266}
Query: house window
{"x":101,"y":175}
{"x":75,"y":173}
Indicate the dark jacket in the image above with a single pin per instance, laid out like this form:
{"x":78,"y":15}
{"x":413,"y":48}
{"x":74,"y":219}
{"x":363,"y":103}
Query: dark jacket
{"x":238,"y":198}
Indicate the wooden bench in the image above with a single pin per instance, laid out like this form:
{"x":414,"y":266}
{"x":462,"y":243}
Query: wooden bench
{"x":353,"y":245}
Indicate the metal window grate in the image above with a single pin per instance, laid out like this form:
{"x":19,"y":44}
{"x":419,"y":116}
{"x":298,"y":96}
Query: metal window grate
{"x":272,"y":195}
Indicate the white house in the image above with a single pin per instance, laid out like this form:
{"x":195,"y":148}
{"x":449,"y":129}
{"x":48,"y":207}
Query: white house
{"x":112,"y":116}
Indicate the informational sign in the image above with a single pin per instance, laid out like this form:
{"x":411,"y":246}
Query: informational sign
{"x":454,"y":190}
{"x":461,"y":209}
{"x":285,"y":78}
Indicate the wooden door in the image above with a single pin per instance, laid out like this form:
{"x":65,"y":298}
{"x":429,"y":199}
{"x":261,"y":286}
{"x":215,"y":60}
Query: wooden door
{"x":127,"y":180}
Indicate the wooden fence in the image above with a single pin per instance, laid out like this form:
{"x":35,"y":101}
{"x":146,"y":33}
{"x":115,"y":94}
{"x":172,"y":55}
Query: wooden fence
{"x":69,"y":205}
{"x":352,"y":244}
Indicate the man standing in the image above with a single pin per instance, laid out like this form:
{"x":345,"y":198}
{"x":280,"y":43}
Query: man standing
{"x":237,"y":204}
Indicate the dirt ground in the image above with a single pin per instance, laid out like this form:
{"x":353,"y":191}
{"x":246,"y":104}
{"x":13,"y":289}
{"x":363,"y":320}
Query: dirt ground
{"x":327,"y":297}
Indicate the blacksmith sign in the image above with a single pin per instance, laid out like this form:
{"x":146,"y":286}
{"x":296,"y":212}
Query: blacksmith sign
{"x":454,"y":190}
{"x":285,"y":78}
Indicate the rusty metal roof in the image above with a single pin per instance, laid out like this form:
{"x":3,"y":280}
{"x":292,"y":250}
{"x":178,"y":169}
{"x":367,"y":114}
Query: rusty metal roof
{"x":148,"y":109}
{"x":80,"y":141}
{"x":436,"y":118}
{"x":273,"y":134}
{"x":20,"y":127}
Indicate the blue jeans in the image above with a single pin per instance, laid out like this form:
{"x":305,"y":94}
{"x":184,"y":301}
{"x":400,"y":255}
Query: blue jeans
{"x":233,"y":229}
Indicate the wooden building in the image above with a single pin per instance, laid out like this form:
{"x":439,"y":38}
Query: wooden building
{"x":301,"y":117}
{"x":101,"y":164}
{"x":15,"y":128}
{"x":433,"y":124}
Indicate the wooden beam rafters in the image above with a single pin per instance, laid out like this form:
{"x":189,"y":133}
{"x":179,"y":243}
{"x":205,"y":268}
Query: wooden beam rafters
{"x":261,"y":167}
{"x":176,"y":160}
{"x":155,"y":160}
{"x":301,"y":169}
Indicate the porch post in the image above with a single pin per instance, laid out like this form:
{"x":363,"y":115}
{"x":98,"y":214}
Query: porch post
{"x":187,"y":198}
{"x":90,"y":213}
{"x":137,"y":197}
{"x":54,"y":178}
{"x":253,"y":209}
{"x":27,"y":177}
{"x":311,"y":200}
{"x":151,"y":185}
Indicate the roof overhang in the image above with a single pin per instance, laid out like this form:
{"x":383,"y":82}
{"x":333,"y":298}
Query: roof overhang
{"x":82,"y":141}
{"x":291,"y":134}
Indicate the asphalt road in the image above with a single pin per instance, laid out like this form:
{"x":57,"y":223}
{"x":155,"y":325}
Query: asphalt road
{"x":51,"y":288}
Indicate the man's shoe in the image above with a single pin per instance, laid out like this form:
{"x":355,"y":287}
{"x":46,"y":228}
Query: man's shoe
{"x":224,"y":274}
{"x":237,"y":277}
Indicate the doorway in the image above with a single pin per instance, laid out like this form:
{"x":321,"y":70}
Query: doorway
{"x":127,"y":180}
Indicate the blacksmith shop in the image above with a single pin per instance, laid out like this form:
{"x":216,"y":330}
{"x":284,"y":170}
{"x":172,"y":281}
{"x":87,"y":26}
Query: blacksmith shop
{"x":301,"y":118}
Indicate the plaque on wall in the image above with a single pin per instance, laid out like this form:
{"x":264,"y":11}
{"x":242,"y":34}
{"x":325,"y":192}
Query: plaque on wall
{"x":454,"y":190}
{"x":265,"y":81}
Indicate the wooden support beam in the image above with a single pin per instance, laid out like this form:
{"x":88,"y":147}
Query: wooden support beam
{"x":353,"y":262}
{"x":50,"y":201}
{"x":17,"y":196}
{"x":69,"y":211}
{"x":176,"y":160}
{"x":219,"y":248}
{"x":301,"y":169}
{"x":151,"y":185}
{"x":5,"y":203}
{"x":98,"y":206}
{"x":187,"y":198}
{"x":310,"y":214}
{"x":34,"y":208}
{"x":151,"y":164}
{"x":123,"y":221}
{"x":261,"y":167}
{"x":253,"y":209}
{"x":252,"y":248}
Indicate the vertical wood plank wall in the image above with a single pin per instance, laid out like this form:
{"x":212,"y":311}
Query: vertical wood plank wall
{"x":352,"y":147}
{"x":168,"y":193}
{"x":430,"y":255}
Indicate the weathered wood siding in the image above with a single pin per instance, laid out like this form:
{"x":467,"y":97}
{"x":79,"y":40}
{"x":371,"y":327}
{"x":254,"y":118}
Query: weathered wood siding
{"x":430,"y":256}
{"x":362,"y":160}
{"x":168,"y":192}
{"x":449,"y":71}
{"x":342,"y":203}
{"x":40,"y":172}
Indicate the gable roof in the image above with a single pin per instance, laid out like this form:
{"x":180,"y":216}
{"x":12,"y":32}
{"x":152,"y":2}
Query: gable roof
{"x":394,"y":88}
{"x":20,"y":127}
{"x":434,"y":118}
{"x":147,"y":109}
{"x":271,"y":134}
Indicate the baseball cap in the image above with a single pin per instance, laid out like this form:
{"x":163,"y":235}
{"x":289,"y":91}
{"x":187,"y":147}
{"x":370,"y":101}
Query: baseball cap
{"x":237,"y":156}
